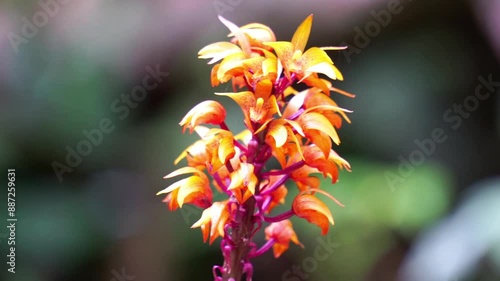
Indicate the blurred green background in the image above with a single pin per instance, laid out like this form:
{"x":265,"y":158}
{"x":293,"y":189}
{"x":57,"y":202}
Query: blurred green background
{"x":413,"y":212}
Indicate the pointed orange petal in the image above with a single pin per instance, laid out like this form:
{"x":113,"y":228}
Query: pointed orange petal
{"x":263,"y":89}
{"x":244,"y":99}
{"x":214,"y":81}
{"x":258,"y":31}
{"x":206,"y":217}
{"x":182,"y":171}
{"x":218,"y":216}
{"x":173,"y":186}
{"x":226,"y":149}
{"x":312,"y":209}
{"x":296,"y":126}
{"x":322,"y":141}
{"x":316,"y":121}
{"x":285,"y":51}
{"x":205,"y":230}
{"x":171,"y":200}
{"x":301,"y":35}
{"x":240,"y":36}
{"x":294,"y":104}
{"x":229,"y":63}
{"x":196,"y":189}
{"x":316,"y":158}
{"x":270,"y":64}
{"x":206,"y":112}
{"x":282,"y":232}
{"x":218,"y":51}
{"x":327,"y":69}
{"x":313,"y":56}
{"x":278,"y":132}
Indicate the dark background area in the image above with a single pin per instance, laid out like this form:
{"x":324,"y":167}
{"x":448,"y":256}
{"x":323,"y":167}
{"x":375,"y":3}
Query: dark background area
{"x":437,"y":219}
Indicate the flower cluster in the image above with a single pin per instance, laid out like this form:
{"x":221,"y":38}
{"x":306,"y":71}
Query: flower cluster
{"x":295,"y":128}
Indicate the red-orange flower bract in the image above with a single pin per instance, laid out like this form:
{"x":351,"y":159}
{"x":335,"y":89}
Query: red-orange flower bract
{"x":298,"y":129}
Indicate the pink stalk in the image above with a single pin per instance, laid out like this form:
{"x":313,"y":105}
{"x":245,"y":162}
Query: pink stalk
{"x":286,"y":215}
{"x":262,"y":249}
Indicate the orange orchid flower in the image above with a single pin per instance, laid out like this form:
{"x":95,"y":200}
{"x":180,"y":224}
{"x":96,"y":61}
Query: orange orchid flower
{"x":306,"y":65}
{"x":256,"y":110}
{"x":213,"y":220}
{"x":194,"y":189}
{"x":207,"y":112}
{"x":243,"y":182}
{"x":282,"y":233}
{"x":296,"y":129}
{"x":315,"y":158}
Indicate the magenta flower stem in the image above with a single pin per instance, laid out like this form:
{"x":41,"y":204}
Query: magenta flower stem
{"x":276,"y":185}
{"x":286,"y":215}
{"x":220,"y":183}
{"x":224,"y":126}
{"x":240,"y":146}
{"x":287,"y":170}
{"x":268,"y":245}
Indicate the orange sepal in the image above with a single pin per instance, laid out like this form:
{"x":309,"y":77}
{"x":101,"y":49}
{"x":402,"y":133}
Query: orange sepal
{"x":312,"y":121}
{"x":278,"y":196}
{"x":301,"y":35}
{"x":194,"y":189}
{"x":312,"y":209}
{"x":243,"y":179}
{"x":206,"y":112}
{"x":220,"y":148}
{"x":213,"y":218}
{"x":314,"y":157}
{"x":282,"y":232}
{"x":302,"y":177}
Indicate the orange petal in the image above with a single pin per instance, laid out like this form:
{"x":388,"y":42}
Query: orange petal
{"x":244,"y":99}
{"x":282,"y":232}
{"x":316,"y":121}
{"x":270,"y":64}
{"x":263,"y":89}
{"x":171,"y":200}
{"x":294,"y":104}
{"x":302,"y":177}
{"x":301,"y":35}
{"x":313,"y":80}
{"x":195,"y":190}
{"x":229,"y":63}
{"x":182,"y":171}
{"x":258,"y":31}
{"x":197,"y":151}
{"x":285,"y":51}
{"x":322,"y":141}
{"x":244,"y":178}
{"x":220,"y":214}
{"x":218,"y":51}
{"x":314,"y":56}
{"x":173,"y":186}
{"x":278,"y":132}
{"x":226,"y":149}
{"x":240,"y":36}
{"x":312,"y":209}
{"x":214,"y":81}
{"x":213,"y":218}
{"x":325,"y":68}
{"x":206,"y":112}
{"x":316,"y":158}
{"x":278,"y":196}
